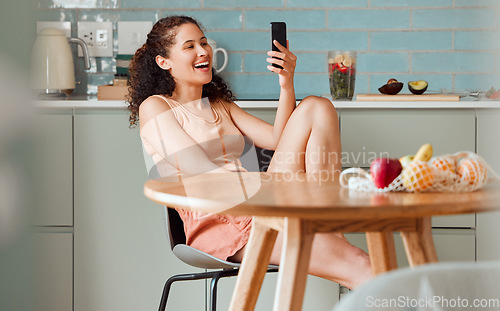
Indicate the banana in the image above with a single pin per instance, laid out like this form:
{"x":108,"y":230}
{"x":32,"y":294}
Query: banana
{"x":424,"y":153}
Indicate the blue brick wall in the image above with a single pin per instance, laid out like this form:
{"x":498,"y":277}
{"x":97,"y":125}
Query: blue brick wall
{"x":453,"y":44}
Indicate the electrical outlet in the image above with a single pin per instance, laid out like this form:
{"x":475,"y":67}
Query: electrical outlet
{"x":132,"y":35}
{"x":64,"y":26}
{"x":98,"y":37}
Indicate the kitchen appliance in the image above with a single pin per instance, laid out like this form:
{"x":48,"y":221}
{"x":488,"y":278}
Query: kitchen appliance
{"x":53,"y":72}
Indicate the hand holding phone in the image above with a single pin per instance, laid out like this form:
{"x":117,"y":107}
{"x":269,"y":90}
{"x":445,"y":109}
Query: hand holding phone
{"x":283,"y":61}
{"x":278,"y":33}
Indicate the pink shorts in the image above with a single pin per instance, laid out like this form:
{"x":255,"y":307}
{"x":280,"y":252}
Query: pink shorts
{"x":218,"y":235}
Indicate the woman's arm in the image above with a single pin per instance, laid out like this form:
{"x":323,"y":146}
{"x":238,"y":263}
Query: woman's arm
{"x":160,"y":128}
{"x":261,"y":133}
{"x":287,"y":92}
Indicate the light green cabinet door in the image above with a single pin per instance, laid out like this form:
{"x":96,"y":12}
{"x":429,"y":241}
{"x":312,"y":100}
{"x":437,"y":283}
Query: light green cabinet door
{"x":54,"y":168}
{"x":488,"y":146}
{"x":371,"y":133}
{"x":122,"y":255}
{"x":53,"y":210}
{"x":451,"y":245}
{"x":54,"y":271}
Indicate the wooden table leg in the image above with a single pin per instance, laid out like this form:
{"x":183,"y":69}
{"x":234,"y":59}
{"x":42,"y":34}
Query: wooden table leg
{"x":419,"y":245}
{"x":254,"y":267}
{"x":294,"y":265}
{"x":382,"y":251}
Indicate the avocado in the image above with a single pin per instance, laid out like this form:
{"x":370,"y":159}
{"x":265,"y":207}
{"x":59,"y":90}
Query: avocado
{"x":391,"y":88}
{"x":418,"y":87}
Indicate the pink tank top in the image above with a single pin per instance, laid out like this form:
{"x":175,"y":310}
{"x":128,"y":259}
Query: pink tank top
{"x":219,"y":235}
{"x":219,"y":138}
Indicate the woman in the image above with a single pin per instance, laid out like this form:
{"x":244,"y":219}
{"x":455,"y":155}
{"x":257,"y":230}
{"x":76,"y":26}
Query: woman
{"x":190,"y":125}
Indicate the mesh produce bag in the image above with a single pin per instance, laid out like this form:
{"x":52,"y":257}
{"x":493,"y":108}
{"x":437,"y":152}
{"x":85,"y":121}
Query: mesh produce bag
{"x":459,"y":172}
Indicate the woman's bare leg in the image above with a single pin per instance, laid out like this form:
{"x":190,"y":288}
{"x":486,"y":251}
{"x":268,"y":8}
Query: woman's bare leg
{"x":333,"y":258}
{"x":310,"y":143}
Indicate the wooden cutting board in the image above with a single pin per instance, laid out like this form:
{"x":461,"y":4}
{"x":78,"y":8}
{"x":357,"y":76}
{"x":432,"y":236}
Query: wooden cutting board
{"x":407,"y":97}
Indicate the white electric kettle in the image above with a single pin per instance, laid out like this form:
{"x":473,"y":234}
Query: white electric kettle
{"x":52,"y":68}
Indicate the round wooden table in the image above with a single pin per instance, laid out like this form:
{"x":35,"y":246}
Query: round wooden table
{"x":300,"y":205}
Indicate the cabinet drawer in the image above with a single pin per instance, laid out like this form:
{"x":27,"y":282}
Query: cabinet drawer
{"x":367,"y":134}
{"x":54,"y":170}
{"x":451,"y":245}
{"x":454,"y":221}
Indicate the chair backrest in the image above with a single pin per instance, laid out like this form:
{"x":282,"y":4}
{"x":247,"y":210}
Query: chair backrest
{"x":174,"y":226}
{"x":439,"y":286}
{"x":264,"y":157}
{"x":255,"y":159}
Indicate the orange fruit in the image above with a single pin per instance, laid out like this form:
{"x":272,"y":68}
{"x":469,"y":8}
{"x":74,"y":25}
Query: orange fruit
{"x":444,"y":164}
{"x":471,"y":171}
{"x":417,"y":176}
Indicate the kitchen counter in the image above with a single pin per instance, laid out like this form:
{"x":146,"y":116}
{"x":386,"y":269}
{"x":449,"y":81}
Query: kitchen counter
{"x":84,"y":102}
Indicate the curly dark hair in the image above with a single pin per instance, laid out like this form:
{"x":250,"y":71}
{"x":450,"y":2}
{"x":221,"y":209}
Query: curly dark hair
{"x":147,"y":78}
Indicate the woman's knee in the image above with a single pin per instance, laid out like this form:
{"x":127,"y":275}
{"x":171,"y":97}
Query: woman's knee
{"x":318,"y":107}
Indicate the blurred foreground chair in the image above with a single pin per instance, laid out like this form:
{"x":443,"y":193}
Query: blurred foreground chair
{"x":433,"y":287}
{"x":197,"y":258}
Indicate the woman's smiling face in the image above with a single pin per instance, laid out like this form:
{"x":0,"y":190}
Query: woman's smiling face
{"x":190,"y":58}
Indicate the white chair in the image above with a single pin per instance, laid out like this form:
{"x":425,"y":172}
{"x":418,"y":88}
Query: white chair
{"x":436,"y":287}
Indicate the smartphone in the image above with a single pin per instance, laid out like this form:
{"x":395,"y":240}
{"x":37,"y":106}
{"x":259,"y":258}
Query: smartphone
{"x":278,"y":33}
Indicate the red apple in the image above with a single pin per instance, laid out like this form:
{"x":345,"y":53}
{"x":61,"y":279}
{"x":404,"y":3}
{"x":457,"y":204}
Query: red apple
{"x":384,"y":171}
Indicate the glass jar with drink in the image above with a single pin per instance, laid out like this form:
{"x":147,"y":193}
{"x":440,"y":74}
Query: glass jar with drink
{"x":342,"y":73}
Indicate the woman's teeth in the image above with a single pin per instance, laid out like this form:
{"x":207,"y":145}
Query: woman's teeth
{"x":201,"y":65}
